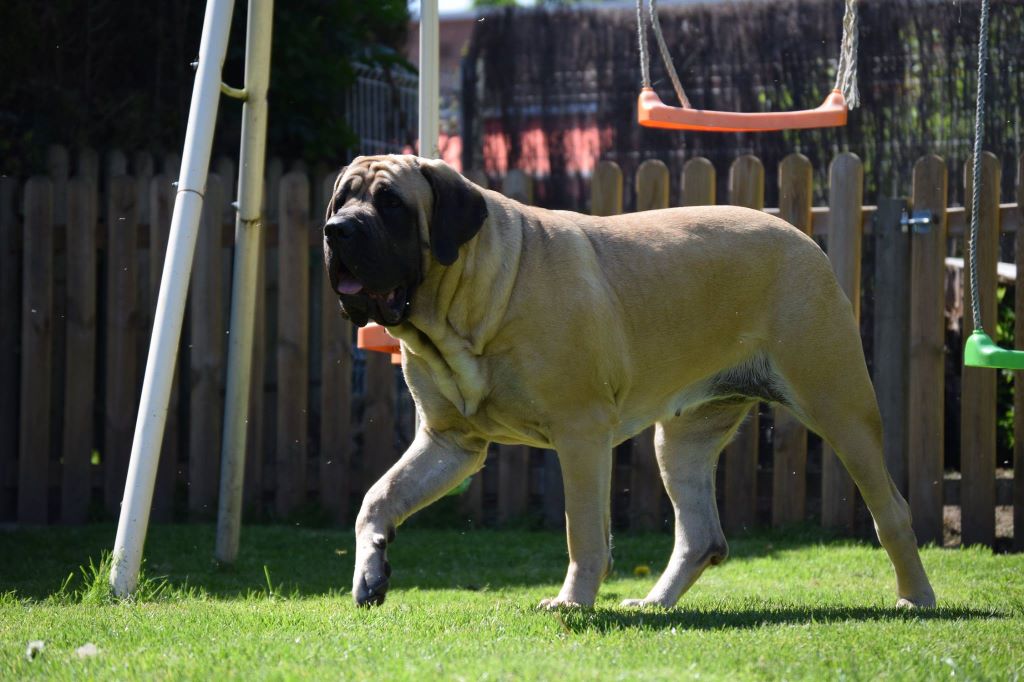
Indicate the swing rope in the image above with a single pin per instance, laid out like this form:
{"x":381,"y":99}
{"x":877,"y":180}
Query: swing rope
{"x":846,"y":71}
{"x":979,"y":134}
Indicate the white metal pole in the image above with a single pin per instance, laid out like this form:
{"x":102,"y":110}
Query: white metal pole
{"x":245,"y":278}
{"x":170,"y":308}
{"x":429,"y":102}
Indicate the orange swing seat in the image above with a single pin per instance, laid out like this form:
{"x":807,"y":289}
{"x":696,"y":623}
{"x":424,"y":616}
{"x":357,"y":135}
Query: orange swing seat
{"x":653,"y":113}
{"x":374,"y":337}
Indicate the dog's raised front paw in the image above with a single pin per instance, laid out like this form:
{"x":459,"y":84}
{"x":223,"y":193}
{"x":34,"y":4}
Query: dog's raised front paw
{"x":372,"y":574}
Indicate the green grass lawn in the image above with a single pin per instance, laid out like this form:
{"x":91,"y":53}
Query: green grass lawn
{"x":462,"y":606}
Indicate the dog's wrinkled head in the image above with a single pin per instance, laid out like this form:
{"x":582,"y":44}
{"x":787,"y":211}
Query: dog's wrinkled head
{"x":384,"y":213}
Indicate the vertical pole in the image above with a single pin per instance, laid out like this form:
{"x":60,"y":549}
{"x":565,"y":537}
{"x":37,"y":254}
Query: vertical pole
{"x":243,"y":288}
{"x":170,"y":309}
{"x":429,"y":103}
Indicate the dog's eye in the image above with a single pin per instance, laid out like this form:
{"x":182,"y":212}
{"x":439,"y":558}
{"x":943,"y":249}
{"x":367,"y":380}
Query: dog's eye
{"x":388,"y":199}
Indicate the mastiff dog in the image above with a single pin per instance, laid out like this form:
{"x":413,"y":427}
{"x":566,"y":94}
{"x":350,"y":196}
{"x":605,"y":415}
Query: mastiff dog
{"x":520,"y":325}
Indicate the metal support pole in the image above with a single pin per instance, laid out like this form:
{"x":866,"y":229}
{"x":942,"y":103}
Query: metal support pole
{"x":170,"y":308}
{"x":245,"y":277}
{"x":429,"y":102}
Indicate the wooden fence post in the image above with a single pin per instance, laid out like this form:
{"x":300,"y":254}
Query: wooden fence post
{"x":36,"y":347}
{"x":335,"y":398}
{"x":161,"y":206}
{"x":477,"y":177}
{"x":142,"y":171}
{"x":789,"y":437}
{"x":292,"y":343}
{"x":58,"y":167}
{"x":10,"y":333}
{"x":513,"y":481}
{"x":698,"y":182}
{"x":846,"y":196}
{"x":606,"y":189}
{"x":122,"y":317}
{"x":606,"y":199}
{"x":1018,"y":379}
{"x":892,"y":331}
{"x":512,"y":461}
{"x":88,"y":169}
{"x":646,"y":489}
{"x":80,"y":374}
{"x":518,"y":185}
{"x":274,"y":173}
{"x":978,"y":385}
{"x":927,"y":351}
{"x":746,"y":188}
{"x":208,"y":324}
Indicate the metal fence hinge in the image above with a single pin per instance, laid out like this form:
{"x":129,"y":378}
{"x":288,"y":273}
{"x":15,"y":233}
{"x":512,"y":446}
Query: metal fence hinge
{"x":919,"y":222}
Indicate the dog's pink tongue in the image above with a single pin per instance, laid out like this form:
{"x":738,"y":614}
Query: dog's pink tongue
{"x":349,"y":286}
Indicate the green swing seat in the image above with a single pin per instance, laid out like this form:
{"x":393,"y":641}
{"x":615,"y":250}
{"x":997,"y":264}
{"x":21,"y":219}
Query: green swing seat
{"x":981,"y":351}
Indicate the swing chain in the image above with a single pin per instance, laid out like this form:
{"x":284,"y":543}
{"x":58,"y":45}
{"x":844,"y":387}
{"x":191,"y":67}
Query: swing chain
{"x":979,"y":135}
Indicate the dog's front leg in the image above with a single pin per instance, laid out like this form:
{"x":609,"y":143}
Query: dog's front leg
{"x":587,"y":476}
{"x":433,"y":465}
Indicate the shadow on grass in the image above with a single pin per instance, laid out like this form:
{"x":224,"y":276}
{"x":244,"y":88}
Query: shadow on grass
{"x":610,"y":620}
{"x":287,"y":559}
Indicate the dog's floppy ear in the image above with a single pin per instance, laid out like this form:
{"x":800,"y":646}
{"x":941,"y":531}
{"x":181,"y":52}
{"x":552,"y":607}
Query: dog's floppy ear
{"x":335,"y":194}
{"x":459,"y":211}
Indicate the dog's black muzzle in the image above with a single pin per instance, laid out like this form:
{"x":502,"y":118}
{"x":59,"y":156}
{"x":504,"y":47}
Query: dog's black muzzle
{"x":367,"y":269}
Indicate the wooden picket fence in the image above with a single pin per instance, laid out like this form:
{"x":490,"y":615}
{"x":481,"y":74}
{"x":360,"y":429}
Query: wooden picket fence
{"x":79,"y":271}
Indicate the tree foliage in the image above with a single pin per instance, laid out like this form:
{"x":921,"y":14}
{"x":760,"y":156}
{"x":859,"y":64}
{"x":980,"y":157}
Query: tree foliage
{"x":106,"y":73}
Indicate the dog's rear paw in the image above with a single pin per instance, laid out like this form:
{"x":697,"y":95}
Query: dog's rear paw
{"x":556,"y":603}
{"x":641,"y":604}
{"x":924,"y":602}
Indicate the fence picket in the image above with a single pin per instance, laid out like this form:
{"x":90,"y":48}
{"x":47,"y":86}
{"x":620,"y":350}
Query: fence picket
{"x":252,"y":495}
{"x":225,"y":168}
{"x":698,"y":182}
{"x":378,"y":425}
{"x":789,"y":436}
{"x":513,"y":481}
{"x":121,"y":327}
{"x":292,"y":342}
{"x":892,"y":331}
{"x":739,"y":494}
{"x":978,"y":385}
{"x":1018,"y":380}
{"x":10,"y":339}
{"x":927,"y":351}
{"x":88,"y":168}
{"x":335,"y":397}
{"x":478,"y":177}
{"x":606,"y":189}
{"x":207,"y":355}
{"x":36,"y":355}
{"x":79,"y":375}
{"x":846,"y":196}
{"x":58,"y":168}
{"x":161,"y":206}
{"x":518,"y":185}
{"x":646,"y":491}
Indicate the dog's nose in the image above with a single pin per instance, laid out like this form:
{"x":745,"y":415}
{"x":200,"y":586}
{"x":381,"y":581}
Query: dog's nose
{"x":339,"y":227}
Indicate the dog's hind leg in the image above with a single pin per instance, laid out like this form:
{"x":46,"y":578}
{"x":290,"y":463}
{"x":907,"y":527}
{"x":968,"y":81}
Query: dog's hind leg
{"x":688,"y":448}
{"x":832,"y":394}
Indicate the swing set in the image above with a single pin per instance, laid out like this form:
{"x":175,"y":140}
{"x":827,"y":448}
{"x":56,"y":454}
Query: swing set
{"x":980,"y":350}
